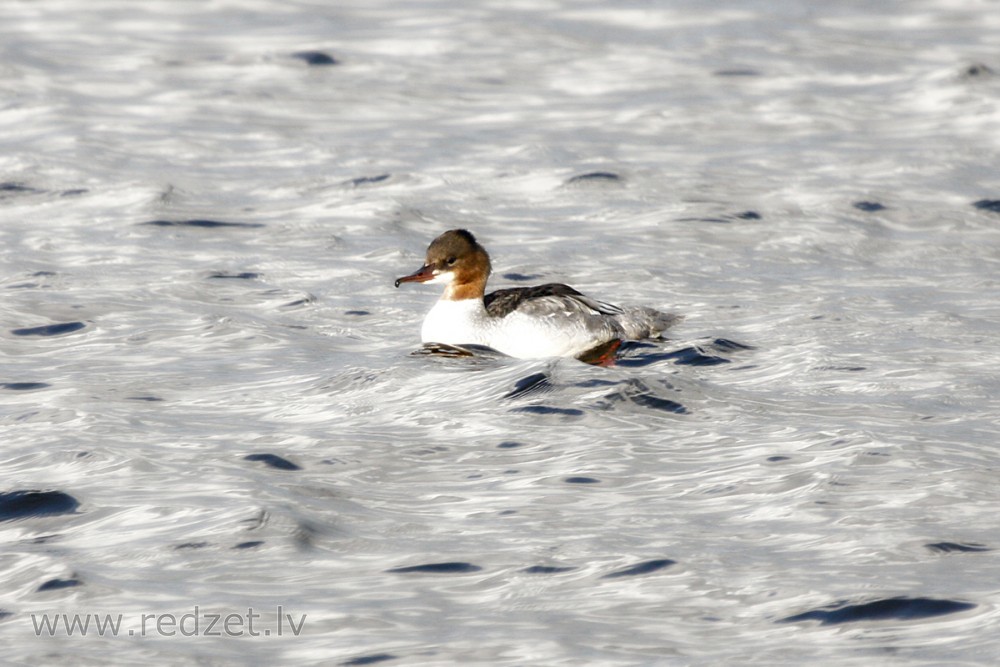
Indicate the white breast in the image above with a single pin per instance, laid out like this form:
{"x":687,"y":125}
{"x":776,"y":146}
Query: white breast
{"x":457,"y":322}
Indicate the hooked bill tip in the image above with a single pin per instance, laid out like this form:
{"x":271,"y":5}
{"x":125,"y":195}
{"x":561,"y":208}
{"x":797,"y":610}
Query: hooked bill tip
{"x":420,"y":276}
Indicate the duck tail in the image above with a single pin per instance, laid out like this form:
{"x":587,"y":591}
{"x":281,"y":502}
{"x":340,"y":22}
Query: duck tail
{"x":641,"y":322}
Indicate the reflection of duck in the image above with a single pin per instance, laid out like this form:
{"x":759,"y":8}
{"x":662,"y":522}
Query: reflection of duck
{"x":551,"y":320}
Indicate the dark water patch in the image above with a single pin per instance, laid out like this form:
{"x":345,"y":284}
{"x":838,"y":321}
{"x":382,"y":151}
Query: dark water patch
{"x":726,"y":218}
{"x":430,"y":451}
{"x":953,"y":547}
{"x":595,"y":176}
{"x":639,"y":393}
{"x":357,"y":312}
{"x":34,"y":285}
{"x":546,"y":569}
{"x":23,"y":386}
{"x":15,"y":187}
{"x":10,"y":188}
{"x":636,"y":354}
{"x":977,"y":71}
{"x":593,"y":382}
{"x":726,"y":345}
{"x":147,"y":399}
{"x":509,"y":444}
{"x":272,"y":460}
{"x":548,"y":410}
{"x":582,"y":480}
{"x":630,"y":359}
{"x":521,"y":277}
{"x":315,"y":58}
{"x":191,"y":545}
{"x":203,"y":224}
{"x":657,"y":403}
{"x":849,"y":369}
{"x":372,"y":659}
{"x":50,"y":329}
{"x":868,"y":206}
{"x":75,"y":192}
{"x":778,"y":459}
{"x":992,"y":205}
{"x":4,"y":614}
{"x":736,"y":72}
{"x":899,"y":609}
{"x":532,"y":384}
{"x":368,"y":180}
{"x":336,"y":461}
{"x":297,"y":303}
{"x":24,"y":504}
{"x":252,"y":544}
{"x":224,"y":275}
{"x":456,"y":567}
{"x":56,"y":584}
{"x":646,"y":567}
{"x":695,"y":356}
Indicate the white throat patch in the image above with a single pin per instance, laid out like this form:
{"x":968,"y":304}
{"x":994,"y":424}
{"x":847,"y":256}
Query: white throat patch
{"x":442,"y":278}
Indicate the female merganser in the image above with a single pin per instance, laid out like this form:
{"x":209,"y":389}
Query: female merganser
{"x":551,"y":320}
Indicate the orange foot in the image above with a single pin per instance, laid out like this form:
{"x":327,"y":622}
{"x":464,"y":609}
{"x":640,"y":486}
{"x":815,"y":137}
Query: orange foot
{"x":604,"y":354}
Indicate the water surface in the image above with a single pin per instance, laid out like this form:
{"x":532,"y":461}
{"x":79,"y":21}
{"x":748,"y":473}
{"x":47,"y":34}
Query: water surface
{"x":209,"y":398}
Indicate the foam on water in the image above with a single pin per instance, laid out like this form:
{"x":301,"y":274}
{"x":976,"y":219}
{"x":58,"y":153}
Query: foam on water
{"x":208,"y":391}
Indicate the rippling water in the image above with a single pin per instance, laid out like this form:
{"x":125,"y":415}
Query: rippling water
{"x":210,"y":403}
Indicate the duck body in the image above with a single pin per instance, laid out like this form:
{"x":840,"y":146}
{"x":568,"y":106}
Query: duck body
{"x":551,"y":320}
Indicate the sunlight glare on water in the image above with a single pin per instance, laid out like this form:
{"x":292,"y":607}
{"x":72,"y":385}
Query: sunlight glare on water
{"x":209,"y":393}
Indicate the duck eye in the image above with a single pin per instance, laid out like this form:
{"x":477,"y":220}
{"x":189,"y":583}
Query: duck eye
{"x":450,"y":261}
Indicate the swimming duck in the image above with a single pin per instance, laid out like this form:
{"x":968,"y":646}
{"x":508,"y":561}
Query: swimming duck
{"x":550,"y":320}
